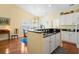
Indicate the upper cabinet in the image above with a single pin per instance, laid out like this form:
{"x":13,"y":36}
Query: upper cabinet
{"x":69,"y":19}
{"x":76,"y":20}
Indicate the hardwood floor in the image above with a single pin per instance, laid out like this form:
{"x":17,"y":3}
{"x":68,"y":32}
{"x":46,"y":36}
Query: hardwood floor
{"x":70,"y":47}
{"x":16,"y":47}
{"x":12,"y":47}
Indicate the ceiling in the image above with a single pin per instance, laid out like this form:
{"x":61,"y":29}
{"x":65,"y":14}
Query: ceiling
{"x":44,"y":9}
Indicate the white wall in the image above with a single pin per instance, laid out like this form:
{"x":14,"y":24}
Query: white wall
{"x":15,"y":14}
{"x":46,"y":21}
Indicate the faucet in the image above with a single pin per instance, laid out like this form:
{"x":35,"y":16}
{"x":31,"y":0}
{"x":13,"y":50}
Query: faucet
{"x":42,"y":26}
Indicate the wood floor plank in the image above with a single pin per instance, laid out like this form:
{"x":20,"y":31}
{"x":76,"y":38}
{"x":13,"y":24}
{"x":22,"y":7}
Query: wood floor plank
{"x":12,"y":47}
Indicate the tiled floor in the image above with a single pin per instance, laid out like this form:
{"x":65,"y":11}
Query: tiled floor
{"x":12,"y":47}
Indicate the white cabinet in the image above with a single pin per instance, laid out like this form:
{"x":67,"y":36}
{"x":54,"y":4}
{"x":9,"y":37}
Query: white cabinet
{"x":55,"y":41}
{"x":58,"y":42}
{"x":68,"y":36}
{"x":52,"y":44}
{"x":47,"y":45}
{"x":65,"y":35}
{"x":72,"y":37}
{"x":77,"y":40}
{"x":61,"y":22}
{"x":76,"y":18}
{"x":68,"y":19}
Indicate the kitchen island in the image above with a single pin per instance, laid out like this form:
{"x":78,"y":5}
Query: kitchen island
{"x":40,"y":42}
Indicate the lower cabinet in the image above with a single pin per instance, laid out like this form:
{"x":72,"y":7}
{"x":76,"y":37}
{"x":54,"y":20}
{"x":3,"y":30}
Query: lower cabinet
{"x":65,"y":36}
{"x":68,"y":36}
{"x":47,"y":45}
{"x":37,"y":44}
{"x":77,"y":40}
{"x":70,"y":41}
{"x":57,"y":41}
{"x":52,"y":44}
{"x":72,"y":37}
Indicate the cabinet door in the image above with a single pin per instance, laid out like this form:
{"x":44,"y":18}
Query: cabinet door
{"x":77,"y":40}
{"x":68,"y":36}
{"x":65,"y":36}
{"x":75,"y":18}
{"x":62,"y":21}
{"x":52,"y":46}
{"x":46,"y":45}
{"x":72,"y":38}
{"x":70,"y":19}
{"x":67,"y":19}
{"x":58,"y":40}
